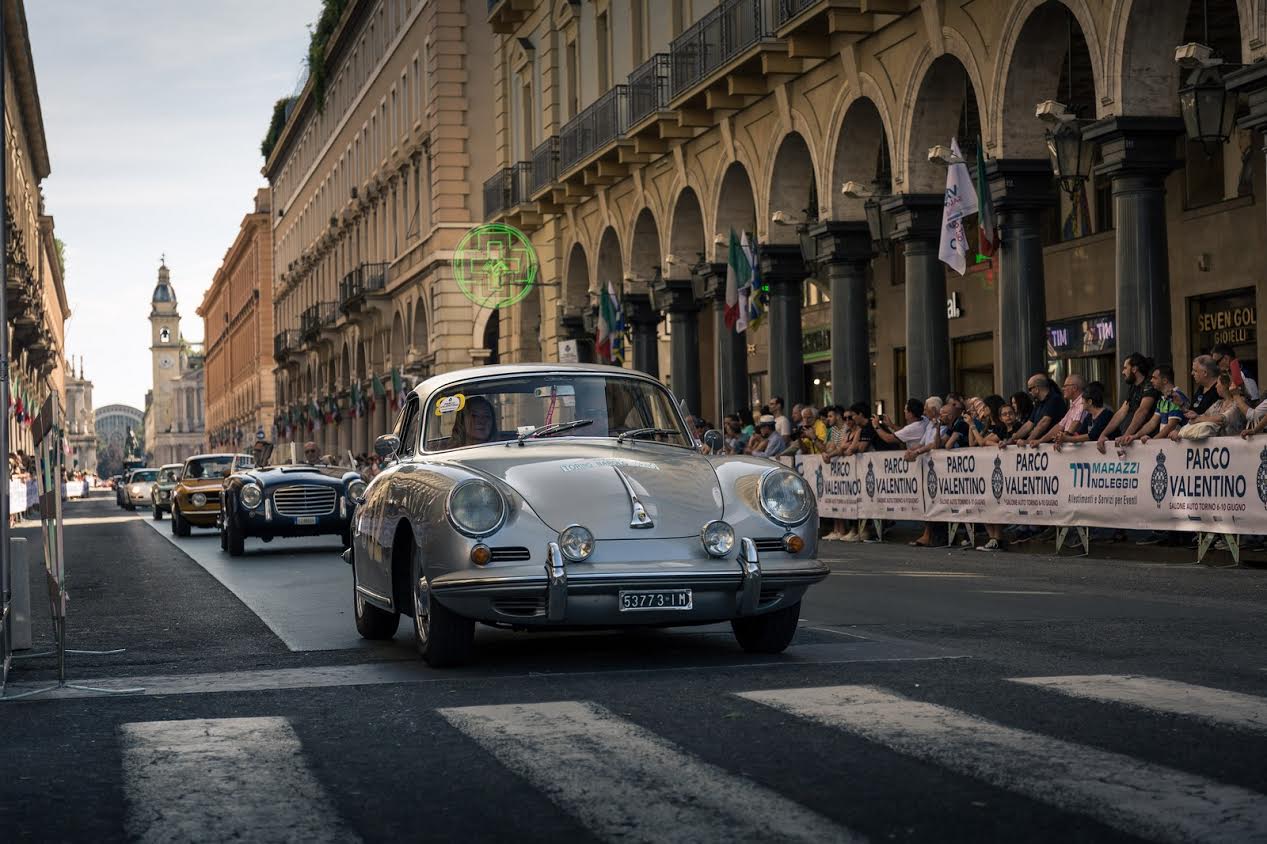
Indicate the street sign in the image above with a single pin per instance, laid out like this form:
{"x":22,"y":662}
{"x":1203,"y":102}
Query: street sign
{"x":568,"y":352}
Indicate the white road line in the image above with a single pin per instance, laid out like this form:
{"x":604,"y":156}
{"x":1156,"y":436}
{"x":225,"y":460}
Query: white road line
{"x":1133,"y":796}
{"x":1016,"y":592}
{"x":223,"y":779}
{"x":625,"y":783}
{"x":1214,"y":706}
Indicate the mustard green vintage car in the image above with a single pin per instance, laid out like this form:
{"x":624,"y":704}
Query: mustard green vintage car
{"x":196,"y":498}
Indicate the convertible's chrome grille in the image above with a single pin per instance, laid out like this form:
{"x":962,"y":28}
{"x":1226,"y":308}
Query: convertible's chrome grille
{"x":769,"y":544}
{"x":524,"y":607}
{"x":511,"y":554}
{"x":305,"y":500}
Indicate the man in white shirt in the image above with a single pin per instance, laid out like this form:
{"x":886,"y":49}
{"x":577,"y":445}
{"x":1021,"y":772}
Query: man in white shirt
{"x":781,"y":422}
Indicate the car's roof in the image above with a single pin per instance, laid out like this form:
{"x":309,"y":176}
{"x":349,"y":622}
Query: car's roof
{"x":171,"y":465}
{"x":212,"y":455}
{"x":438,"y":382}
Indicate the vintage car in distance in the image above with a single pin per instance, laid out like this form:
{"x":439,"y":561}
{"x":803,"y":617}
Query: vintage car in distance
{"x":137,"y":489}
{"x":288,"y":500}
{"x":538,"y":496}
{"x":117,"y":483}
{"x":161,"y":492}
{"x":196,"y":498}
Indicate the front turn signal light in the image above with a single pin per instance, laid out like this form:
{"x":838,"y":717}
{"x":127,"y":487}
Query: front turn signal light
{"x":481,"y":554}
{"x":793,"y":544}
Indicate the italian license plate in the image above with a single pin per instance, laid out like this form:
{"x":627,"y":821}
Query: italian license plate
{"x":305,"y":520}
{"x":656,"y":599}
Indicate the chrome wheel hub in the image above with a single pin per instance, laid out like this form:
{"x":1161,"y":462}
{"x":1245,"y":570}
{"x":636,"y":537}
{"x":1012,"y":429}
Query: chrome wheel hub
{"x":422,"y":609}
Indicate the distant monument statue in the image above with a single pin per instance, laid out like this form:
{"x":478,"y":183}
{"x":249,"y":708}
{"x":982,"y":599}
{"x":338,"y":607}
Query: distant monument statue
{"x":129,"y":447}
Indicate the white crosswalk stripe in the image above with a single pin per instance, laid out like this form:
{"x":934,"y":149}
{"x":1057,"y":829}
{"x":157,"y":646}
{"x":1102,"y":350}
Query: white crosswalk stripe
{"x":625,"y":783}
{"x":1215,"y":706}
{"x":223,"y":779}
{"x":1136,"y":797}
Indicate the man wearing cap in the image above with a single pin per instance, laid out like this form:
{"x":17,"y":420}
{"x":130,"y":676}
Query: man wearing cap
{"x":775,"y":443}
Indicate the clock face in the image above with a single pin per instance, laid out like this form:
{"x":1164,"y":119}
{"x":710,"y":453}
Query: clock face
{"x":166,"y":362}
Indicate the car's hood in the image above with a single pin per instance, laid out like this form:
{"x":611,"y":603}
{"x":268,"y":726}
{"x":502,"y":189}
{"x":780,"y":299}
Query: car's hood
{"x":202,"y":484}
{"x":276,"y":475}
{"x":580,"y":483}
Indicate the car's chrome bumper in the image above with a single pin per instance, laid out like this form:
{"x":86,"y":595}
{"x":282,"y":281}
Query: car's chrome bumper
{"x":567,"y":594}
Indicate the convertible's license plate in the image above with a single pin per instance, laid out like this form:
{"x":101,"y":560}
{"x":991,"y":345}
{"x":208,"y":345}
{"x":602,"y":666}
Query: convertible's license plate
{"x":658,"y":599}
{"x":305,"y":520}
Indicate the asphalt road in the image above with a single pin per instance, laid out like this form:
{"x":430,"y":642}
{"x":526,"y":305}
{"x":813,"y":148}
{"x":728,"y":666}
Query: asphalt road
{"x":930,"y":695}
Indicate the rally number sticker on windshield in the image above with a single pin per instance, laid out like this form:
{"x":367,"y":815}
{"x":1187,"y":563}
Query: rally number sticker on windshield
{"x":450,"y":404}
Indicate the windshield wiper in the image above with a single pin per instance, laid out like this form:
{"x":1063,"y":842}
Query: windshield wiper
{"x":557,"y":427}
{"x":640,"y":432}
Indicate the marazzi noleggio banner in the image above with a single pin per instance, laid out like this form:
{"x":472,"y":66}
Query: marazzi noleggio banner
{"x":1217,"y":485}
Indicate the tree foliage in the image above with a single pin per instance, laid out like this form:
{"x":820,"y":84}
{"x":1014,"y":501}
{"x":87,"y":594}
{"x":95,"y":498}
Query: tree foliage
{"x":61,"y":255}
{"x":280,"y":110}
{"x":331,"y":12}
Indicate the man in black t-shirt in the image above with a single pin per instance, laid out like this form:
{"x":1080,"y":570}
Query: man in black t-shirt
{"x":1141,"y":398}
{"x":1205,"y":374}
{"x":1049,"y":409}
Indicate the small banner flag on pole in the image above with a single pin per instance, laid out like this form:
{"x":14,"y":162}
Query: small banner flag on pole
{"x":738,"y":275}
{"x":987,"y":227}
{"x":961,"y":200}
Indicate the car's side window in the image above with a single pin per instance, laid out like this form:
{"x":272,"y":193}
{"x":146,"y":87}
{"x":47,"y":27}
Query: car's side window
{"x":409,"y":428}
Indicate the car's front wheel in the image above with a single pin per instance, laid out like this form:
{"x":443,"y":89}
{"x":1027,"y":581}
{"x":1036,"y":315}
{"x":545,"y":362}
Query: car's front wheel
{"x":767,"y":634}
{"x":180,"y":527}
{"x":443,"y":637}
{"x":158,"y":513}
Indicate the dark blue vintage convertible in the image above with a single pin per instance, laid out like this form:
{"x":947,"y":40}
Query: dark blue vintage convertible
{"x":288,"y":500}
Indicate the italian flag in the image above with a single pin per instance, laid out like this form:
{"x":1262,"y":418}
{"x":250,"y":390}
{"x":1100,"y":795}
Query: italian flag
{"x":738,"y":274}
{"x":609,"y":326}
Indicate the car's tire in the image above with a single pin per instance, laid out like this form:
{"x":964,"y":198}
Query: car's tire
{"x":130,"y":506}
{"x":770,"y":633}
{"x":158,"y":513}
{"x":235,"y":542}
{"x":372,"y":622}
{"x":443,"y":638}
{"x":180,"y":527}
{"x":346,"y":537}
{"x":224,"y":539}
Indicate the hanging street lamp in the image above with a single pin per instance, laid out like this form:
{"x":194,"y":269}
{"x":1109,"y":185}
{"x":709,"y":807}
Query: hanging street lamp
{"x":877,"y":219}
{"x":1071,"y":154}
{"x":1207,"y":107}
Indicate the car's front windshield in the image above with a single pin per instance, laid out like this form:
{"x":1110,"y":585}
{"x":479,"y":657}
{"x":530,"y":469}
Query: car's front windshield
{"x":169,"y":474}
{"x":207,"y":467}
{"x":144,"y":476}
{"x":550,"y":405}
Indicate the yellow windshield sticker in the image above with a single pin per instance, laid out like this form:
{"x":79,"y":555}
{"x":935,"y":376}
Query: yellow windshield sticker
{"x":450,"y":404}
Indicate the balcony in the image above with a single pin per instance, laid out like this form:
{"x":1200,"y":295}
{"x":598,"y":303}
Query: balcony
{"x":360,"y":282}
{"x":316,"y":317}
{"x":649,"y":88}
{"x":545,"y":166}
{"x":714,"y":40}
{"x":601,"y":123}
{"x":285,"y":342}
{"x":497,"y":194}
{"x":506,"y":15}
{"x":811,"y":23}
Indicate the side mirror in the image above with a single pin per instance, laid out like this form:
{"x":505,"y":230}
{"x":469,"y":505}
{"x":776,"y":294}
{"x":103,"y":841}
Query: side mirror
{"x":387,"y":446}
{"x":713,"y":439}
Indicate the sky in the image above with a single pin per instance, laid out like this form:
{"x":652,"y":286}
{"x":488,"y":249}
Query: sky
{"x":153,"y":111}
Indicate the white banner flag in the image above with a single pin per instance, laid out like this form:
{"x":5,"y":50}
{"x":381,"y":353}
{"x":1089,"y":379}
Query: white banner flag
{"x":961,"y":200}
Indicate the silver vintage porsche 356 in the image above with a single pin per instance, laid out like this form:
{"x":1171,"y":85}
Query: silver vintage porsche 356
{"x":555,"y":496}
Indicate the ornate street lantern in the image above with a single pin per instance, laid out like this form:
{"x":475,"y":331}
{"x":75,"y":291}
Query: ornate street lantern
{"x":1208,"y":108}
{"x":1071,"y":154}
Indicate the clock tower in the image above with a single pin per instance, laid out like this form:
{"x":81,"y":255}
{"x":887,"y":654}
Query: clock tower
{"x":165,"y":342}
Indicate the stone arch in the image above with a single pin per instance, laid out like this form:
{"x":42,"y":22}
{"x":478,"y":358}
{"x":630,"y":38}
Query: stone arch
{"x":644,"y":248}
{"x":686,"y":235}
{"x":421,"y":336}
{"x":944,"y":101}
{"x":1143,"y":34}
{"x":862,"y":154}
{"x":609,"y":267}
{"x":484,"y":328}
{"x":576,"y":279}
{"x":793,"y":187}
{"x":1050,"y":54}
{"x":736,"y":207}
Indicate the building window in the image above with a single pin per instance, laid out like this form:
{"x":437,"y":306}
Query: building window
{"x":679,"y":17}
{"x":604,"y":53}
{"x":573,"y":92}
{"x":638,"y":30}
{"x":974,"y":365}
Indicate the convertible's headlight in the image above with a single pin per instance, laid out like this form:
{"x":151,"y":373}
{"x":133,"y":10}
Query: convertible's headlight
{"x":786,"y":497}
{"x":718,"y":538}
{"x":198,"y":499}
{"x":576,"y":543}
{"x":137,"y":489}
{"x":251,"y":495}
{"x":356,"y":491}
{"x":476,"y":508}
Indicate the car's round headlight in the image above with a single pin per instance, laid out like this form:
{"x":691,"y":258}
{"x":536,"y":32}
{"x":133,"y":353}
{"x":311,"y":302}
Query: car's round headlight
{"x":785,"y":497}
{"x":251,"y":495}
{"x":476,"y":508}
{"x":198,"y":499}
{"x":576,"y":543}
{"x":718,"y":538}
{"x":137,"y":489}
{"x":356,"y":491}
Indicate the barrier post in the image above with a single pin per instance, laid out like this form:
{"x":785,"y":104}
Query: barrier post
{"x":1205,"y":540}
{"x":1084,"y":539}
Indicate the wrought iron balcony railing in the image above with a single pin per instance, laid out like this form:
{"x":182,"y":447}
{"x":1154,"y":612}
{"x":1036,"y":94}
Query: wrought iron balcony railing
{"x":285,"y":342}
{"x":497,"y":193}
{"x":785,"y":10}
{"x":714,"y":40}
{"x":649,"y":88}
{"x":364,"y":278}
{"x":315,"y":317}
{"x":602,"y":122}
{"x":545,"y":165}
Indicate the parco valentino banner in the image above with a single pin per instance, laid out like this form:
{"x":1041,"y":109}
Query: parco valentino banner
{"x":1216,"y":485}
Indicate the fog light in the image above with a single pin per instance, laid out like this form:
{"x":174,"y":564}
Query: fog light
{"x":576,"y":543}
{"x":481,"y":554}
{"x":718,"y":538}
{"x":793,"y":543}
{"x":198,"y":499}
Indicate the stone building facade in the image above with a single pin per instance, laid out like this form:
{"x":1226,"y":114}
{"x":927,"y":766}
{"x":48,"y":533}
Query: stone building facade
{"x":237,"y":314}
{"x":34,"y":287}
{"x":81,"y":421}
{"x":374,"y":182}
{"x":630,"y":142}
{"x":175,"y":405}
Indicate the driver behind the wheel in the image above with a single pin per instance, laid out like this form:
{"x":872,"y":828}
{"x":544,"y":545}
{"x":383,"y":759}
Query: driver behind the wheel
{"x":474,"y":424}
